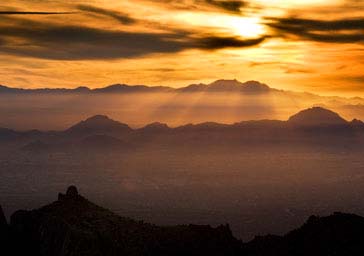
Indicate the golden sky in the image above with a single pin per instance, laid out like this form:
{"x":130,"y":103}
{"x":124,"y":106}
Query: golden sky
{"x":303,"y":45}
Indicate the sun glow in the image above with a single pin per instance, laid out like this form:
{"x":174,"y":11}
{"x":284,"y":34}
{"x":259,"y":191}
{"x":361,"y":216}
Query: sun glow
{"x":247,"y":27}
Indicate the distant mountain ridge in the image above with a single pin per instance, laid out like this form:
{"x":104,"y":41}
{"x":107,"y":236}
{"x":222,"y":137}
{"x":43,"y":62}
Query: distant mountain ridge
{"x":315,"y":116}
{"x":216,"y":86}
{"x":313,"y":126}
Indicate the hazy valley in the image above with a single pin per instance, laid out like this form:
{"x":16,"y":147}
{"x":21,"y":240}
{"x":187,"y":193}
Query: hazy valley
{"x":223,"y":101}
{"x":259,"y":176}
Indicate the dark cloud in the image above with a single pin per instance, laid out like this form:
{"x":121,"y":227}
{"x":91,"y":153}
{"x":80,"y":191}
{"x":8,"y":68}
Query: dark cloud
{"x":32,"y":13}
{"x":356,"y":79}
{"x":292,"y":70}
{"x":76,"y":42}
{"x":122,"y":18}
{"x":335,"y":31}
{"x":213,"y":42}
{"x":70,"y":42}
{"x":232,"y":6}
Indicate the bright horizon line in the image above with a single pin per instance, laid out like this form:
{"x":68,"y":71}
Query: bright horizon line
{"x":91,"y":88}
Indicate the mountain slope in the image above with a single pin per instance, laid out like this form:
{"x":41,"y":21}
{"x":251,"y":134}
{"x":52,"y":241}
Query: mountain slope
{"x":251,"y":87}
{"x":74,"y":226}
{"x":316,"y":116}
{"x":221,"y":85}
{"x":337,"y":234}
{"x":98,"y":124}
{"x":314,"y":126}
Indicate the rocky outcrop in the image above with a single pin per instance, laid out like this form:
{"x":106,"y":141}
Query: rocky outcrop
{"x":74,"y":226}
{"x":337,"y":234}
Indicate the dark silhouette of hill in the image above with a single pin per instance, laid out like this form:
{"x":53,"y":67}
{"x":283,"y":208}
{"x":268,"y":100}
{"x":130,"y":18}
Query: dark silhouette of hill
{"x":72,"y":225}
{"x":207,"y":126}
{"x":124,"y":88}
{"x":314,"y":126}
{"x":337,"y":234}
{"x":98,"y":124}
{"x":155,"y":127}
{"x":357,"y":124}
{"x":229,"y":86}
{"x":317,"y":116}
{"x":81,"y":89}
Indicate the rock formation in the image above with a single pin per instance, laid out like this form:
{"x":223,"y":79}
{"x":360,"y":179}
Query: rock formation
{"x":74,"y":226}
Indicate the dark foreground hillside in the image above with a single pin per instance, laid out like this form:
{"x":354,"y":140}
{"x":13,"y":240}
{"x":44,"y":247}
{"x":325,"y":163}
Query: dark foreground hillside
{"x":74,"y":226}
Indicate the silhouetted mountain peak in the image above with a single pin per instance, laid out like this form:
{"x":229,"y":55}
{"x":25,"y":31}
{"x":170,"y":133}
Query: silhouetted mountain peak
{"x":357,"y":122}
{"x":316,"y":116}
{"x":82,"y":89}
{"x":73,"y":225}
{"x":210,"y":125}
{"x":235,"y":85}
{"x":71,"y":193}
{"x":226,"y":85}
{"x":255,"y":86}
{"x":156,"y":126}
{"x":120,"y":88}
{"x":321,"y":230}
{"x":98,"y":118}
{"x":7,"y":89}
{"x":99,"y":124}
{"x":114,"y":88}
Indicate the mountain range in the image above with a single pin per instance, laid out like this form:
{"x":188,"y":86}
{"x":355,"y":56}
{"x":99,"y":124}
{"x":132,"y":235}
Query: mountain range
{"x":313,"y":126}
{"x":217,"y":86}
{"x":73,"y":225}
{"x":222,"y":101}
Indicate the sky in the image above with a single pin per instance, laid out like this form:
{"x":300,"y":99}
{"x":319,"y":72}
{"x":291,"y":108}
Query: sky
{"x":301,"y":45}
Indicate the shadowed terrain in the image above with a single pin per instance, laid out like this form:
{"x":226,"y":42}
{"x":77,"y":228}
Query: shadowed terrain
{"x":72,"y":225}
{"x":262,"y":176}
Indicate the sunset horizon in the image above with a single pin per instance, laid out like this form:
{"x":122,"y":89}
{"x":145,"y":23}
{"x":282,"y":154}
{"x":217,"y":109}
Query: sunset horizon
{"x":61,"y":44}
{"x":182,"y":128}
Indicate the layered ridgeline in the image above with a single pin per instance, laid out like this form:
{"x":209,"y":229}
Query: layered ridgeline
{"x":72,"y":225}
{"x":222,"y":101}
{"x":217,"y":86}
{"x":311,"y":127}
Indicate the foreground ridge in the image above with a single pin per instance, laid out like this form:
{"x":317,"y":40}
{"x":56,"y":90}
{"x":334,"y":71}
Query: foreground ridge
{"x":72,"y":225}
